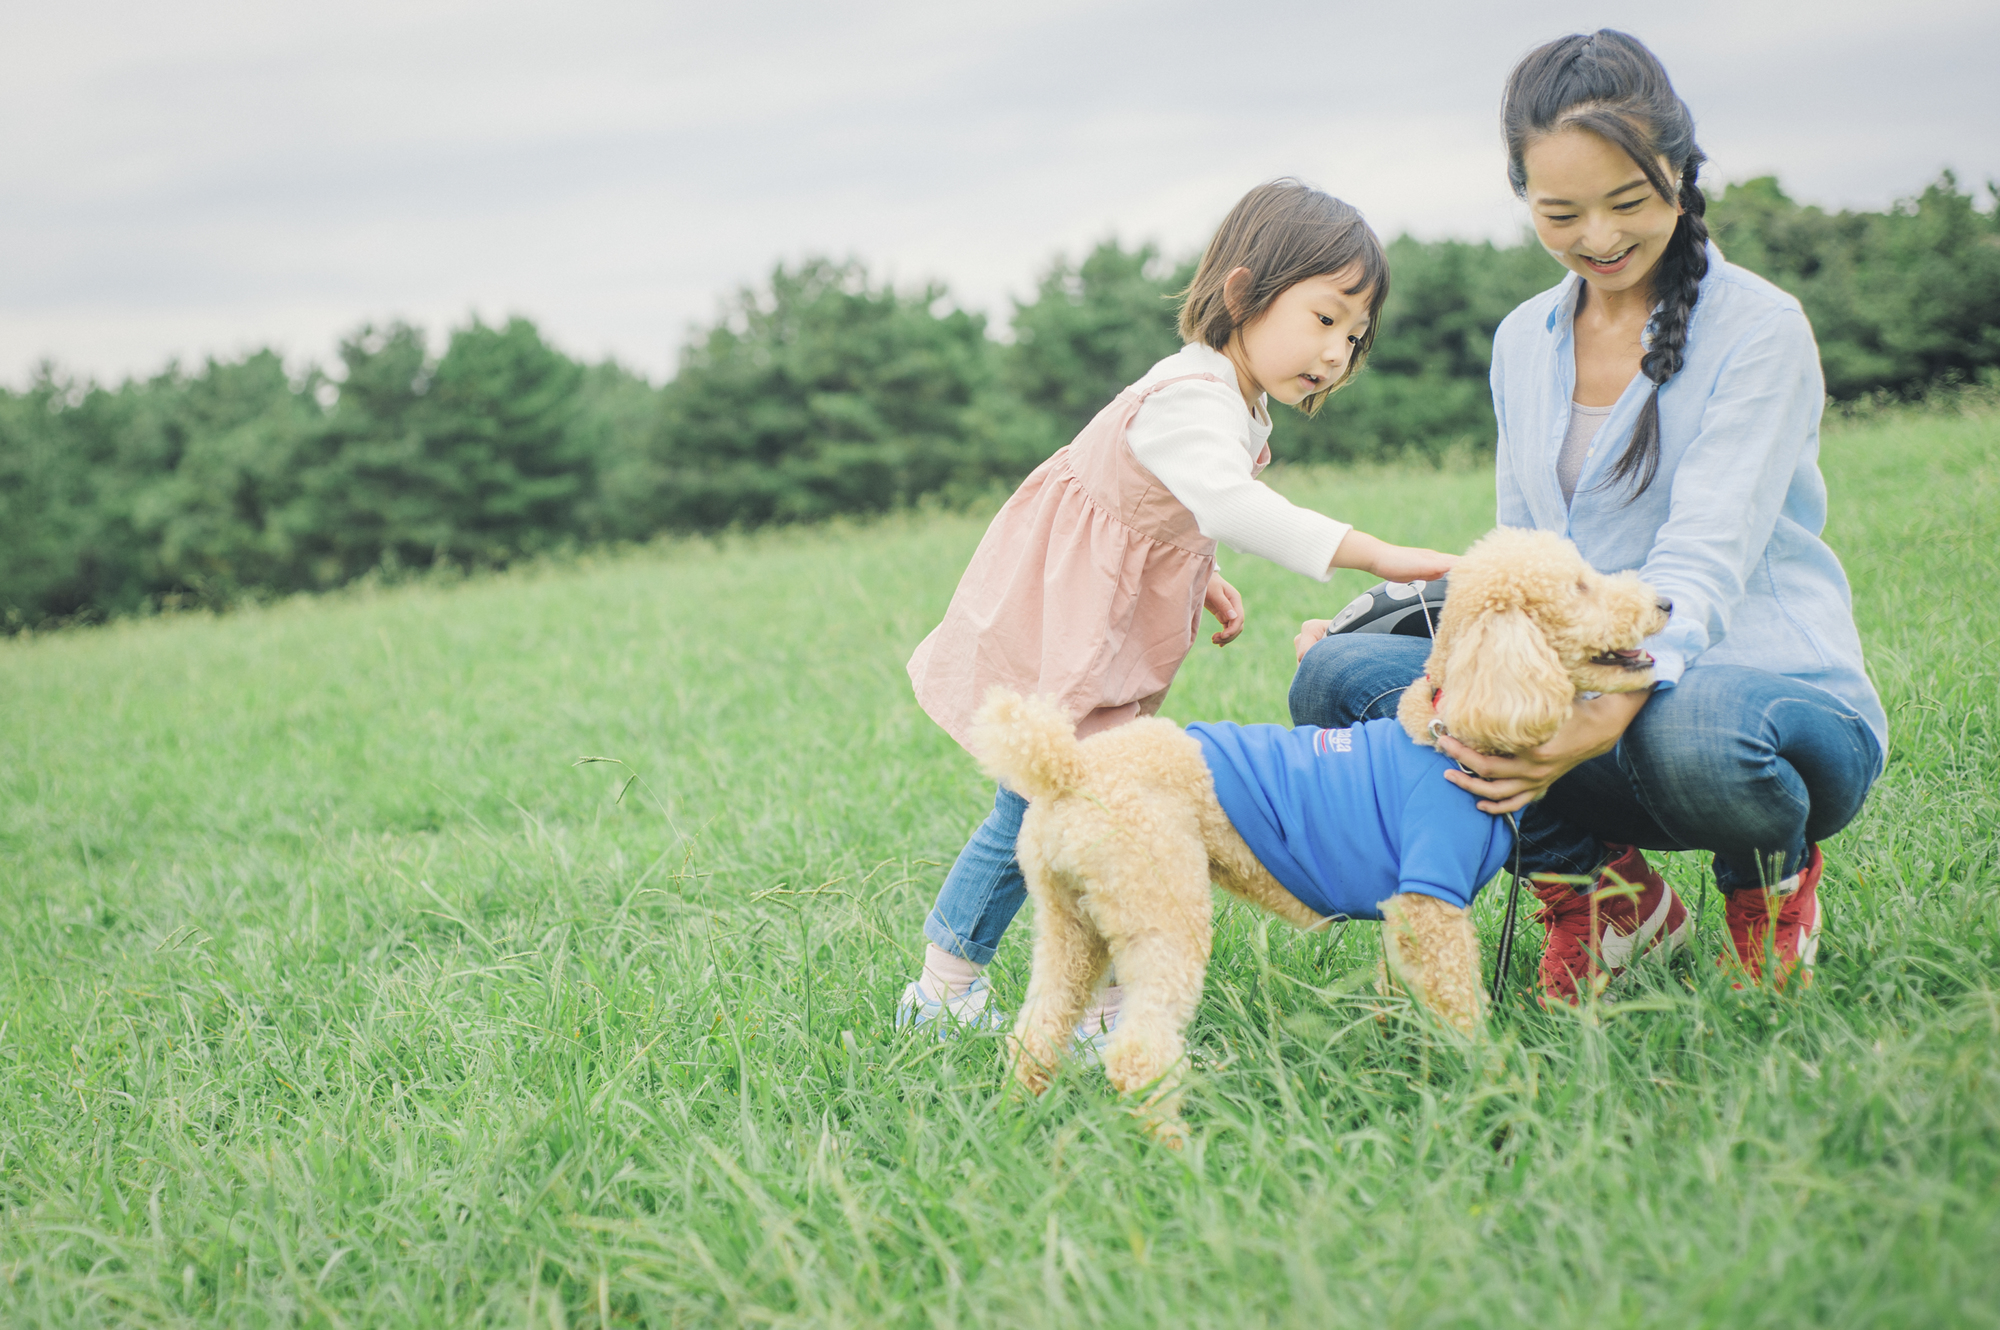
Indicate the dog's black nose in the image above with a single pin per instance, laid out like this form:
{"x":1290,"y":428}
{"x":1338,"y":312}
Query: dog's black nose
{"x":1666,"y":606}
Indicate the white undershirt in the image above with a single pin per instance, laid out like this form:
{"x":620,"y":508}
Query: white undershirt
{"x":1201,"y":441}
{"x":1584,"y":422}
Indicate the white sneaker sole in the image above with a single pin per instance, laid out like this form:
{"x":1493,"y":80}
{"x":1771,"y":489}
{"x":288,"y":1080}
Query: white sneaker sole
{"x":972,"y":1011}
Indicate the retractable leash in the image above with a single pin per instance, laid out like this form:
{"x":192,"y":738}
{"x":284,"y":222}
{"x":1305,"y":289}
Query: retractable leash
{"x":1388,"y":608}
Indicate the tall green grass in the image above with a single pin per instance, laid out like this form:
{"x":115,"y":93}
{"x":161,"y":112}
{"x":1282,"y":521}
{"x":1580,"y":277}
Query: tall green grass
{"x":336,"y":992}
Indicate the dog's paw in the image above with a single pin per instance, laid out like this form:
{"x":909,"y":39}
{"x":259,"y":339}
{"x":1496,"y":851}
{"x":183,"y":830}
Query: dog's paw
{"x":1032,"y":1073}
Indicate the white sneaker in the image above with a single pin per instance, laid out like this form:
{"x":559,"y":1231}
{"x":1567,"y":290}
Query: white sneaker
{"x":952,"y":1016}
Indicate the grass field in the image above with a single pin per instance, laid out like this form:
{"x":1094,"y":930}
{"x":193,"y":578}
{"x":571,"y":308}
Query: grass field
{"x":336,"y":993}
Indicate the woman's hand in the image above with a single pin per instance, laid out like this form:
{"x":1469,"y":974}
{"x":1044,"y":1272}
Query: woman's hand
{"x":1226,"y":604}
{"x":1310,"y":632}
{"x":1507,"y":784}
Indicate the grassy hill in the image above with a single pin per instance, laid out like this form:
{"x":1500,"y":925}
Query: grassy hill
{"x":336,"y":993}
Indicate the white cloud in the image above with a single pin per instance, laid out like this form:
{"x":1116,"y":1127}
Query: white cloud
{"x":201,"y":178}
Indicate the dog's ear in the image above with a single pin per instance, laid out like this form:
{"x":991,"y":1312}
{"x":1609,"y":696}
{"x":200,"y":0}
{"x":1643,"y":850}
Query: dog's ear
{"x":1504,"y":689}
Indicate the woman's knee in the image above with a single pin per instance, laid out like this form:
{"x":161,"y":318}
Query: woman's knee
{"x":1723,"y":782}
{"x":1352,"y":677}
{"x":1742,"y":759}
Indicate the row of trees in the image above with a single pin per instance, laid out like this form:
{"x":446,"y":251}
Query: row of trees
{"x":822,"y":393}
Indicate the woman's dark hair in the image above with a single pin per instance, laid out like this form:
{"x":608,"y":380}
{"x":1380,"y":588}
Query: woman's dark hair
{"x":1284,"y":232}
{"x":1609,"y":84}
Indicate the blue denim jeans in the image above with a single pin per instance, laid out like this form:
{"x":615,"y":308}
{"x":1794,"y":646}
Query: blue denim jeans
{"x":1745,"y":763}
{"x":984,"y":889}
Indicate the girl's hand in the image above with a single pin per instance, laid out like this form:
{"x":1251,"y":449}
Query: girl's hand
{"x":1226,"y":604}
{"x":1310,"y":632}
{"x":1408,"y":563}
{"x":1506,"y":784}
{"x":1391,"y":563}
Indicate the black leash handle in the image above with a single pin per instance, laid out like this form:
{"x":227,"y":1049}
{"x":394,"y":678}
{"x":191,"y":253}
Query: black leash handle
{"x":1505,"y":958}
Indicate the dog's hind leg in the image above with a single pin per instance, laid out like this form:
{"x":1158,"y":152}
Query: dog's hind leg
{"x":1070,"y":957}
{"x":1160,"y":931}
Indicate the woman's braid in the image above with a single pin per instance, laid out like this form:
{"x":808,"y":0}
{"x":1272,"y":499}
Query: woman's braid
{"x":1677,"y":285}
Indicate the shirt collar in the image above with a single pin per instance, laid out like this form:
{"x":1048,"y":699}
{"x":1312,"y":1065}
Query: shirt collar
{"x":1564,"y":310}
{"x":1211,"y":361}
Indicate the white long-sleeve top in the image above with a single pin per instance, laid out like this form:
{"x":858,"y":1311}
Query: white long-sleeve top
{"x":1202,"y":442}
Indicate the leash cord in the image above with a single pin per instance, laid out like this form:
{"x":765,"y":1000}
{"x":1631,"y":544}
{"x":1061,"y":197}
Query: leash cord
{"x":1503,"y":958}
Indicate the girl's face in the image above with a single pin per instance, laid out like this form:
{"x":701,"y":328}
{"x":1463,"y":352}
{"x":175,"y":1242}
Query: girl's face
{"x":1303,"y":341}
{"x":1594,"y":210}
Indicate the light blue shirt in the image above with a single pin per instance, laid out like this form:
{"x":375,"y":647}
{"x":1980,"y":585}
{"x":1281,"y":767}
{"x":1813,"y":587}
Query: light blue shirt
{"x":1729,"y":529}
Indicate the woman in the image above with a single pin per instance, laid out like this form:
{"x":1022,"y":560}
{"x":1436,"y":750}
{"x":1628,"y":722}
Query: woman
{"x":1660,"y":408}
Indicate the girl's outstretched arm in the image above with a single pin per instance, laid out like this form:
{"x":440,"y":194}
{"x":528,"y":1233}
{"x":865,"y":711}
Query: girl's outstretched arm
{"x":1195,"y":437}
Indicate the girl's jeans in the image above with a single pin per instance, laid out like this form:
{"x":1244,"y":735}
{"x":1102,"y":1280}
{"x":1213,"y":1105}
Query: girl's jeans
{"x":1742,"y":762}
{"x":984,"y":889}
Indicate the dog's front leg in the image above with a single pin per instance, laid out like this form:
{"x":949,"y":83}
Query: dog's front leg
{"x":1432,"y":950}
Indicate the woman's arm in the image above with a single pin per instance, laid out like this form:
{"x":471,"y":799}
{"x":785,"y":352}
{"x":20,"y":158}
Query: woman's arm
{"x":1730,"y":484}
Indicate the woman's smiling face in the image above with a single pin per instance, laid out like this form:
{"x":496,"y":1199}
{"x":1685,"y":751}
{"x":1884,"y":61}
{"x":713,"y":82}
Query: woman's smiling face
{"x":1595,"y":211}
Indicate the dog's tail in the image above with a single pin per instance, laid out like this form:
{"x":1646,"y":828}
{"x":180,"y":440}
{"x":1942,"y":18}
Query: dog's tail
{"x":1028,"y":744}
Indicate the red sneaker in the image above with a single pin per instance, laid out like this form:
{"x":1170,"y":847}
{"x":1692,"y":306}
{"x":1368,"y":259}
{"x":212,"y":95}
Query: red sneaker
{"x":1781,"y":923}
{"x":1629,"y":912}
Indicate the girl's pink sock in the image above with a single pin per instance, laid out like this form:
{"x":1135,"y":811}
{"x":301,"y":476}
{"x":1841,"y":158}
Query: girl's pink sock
{"x":945,"y":976}
{"x":1102,"y":1013}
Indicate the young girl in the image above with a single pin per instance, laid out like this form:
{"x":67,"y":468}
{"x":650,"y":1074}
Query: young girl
{"x":1090,"y":583}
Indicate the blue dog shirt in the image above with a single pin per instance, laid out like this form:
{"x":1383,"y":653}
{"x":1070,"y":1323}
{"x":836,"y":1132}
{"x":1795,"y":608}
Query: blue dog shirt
{"x":1346,"y":819}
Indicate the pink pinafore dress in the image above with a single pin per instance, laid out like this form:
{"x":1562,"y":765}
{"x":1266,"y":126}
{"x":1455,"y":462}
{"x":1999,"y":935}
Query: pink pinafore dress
{"x":1088,"y":587}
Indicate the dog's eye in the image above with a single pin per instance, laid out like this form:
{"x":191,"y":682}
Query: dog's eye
{"x":1582,"y":587}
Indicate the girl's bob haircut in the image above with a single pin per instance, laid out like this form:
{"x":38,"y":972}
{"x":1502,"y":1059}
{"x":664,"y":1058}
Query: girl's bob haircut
{"x":1284,"y":232}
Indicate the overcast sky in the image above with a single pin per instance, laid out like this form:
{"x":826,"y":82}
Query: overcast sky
{"x":201,"y":178}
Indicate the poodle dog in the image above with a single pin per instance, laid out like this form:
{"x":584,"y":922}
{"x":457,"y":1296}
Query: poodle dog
{"x":1126,"y":830}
